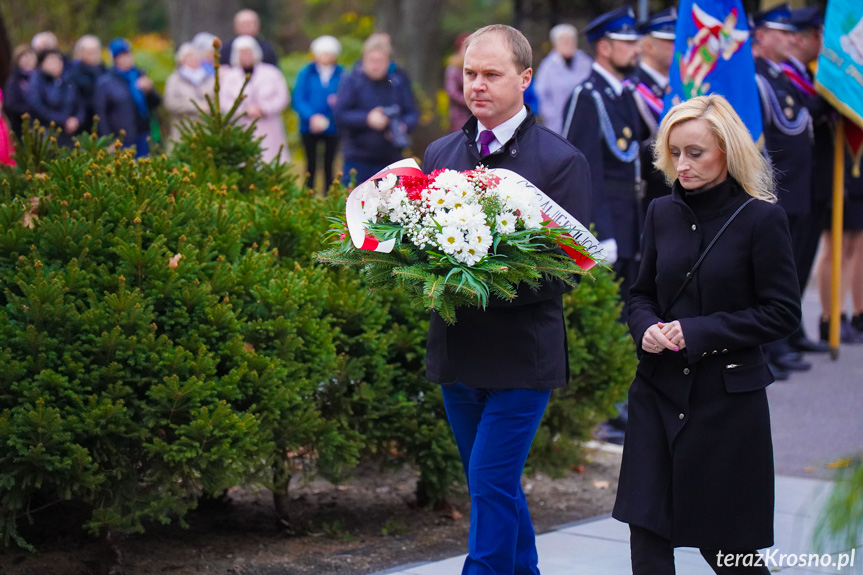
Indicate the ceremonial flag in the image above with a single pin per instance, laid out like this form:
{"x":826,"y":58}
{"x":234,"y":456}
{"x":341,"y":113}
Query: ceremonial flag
{"x":713,"y":55}
{"x":840,"y":65}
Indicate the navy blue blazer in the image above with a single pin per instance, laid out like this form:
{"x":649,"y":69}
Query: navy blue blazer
{"x":788,"y":137}
{"x":616,"y":203}
{"x":522,"y":344}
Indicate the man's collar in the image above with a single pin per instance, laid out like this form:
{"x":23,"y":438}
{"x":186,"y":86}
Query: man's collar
{"x":505,"y":130}
{"x":612,"y":80}
{"x":658,"y":77}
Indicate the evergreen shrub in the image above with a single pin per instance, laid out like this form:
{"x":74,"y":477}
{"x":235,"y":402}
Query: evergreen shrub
{"x":165,"y":334}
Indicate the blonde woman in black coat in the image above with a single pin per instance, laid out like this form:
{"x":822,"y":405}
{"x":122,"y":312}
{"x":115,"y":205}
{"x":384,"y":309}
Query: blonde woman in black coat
{"x":698,"y":456}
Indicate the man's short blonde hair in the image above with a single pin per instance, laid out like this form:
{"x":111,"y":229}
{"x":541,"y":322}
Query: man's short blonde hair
{"x":522,"y":55}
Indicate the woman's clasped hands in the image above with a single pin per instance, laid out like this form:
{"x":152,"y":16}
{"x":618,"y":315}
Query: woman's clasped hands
{"x":661,"y":336}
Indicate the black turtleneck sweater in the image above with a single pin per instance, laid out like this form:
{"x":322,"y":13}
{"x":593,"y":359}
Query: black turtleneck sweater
{"x":712,"y":207}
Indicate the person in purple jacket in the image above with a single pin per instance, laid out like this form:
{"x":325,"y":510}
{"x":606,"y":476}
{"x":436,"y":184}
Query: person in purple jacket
{"x":313,"y":99}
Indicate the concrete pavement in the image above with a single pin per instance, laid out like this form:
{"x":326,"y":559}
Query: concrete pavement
{"x":816,"y":418}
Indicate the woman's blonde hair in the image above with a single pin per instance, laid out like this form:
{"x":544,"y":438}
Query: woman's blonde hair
{"x":746,"y":164}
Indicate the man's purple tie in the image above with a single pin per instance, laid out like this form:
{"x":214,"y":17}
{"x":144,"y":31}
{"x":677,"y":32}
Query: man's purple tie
{"x":486,"y":137}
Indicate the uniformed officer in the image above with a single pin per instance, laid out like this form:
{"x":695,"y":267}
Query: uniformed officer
{"x":602,"y":121}
{"x":651,"y":77}
{"x":804,"y":52}
{"x":788,"y":138}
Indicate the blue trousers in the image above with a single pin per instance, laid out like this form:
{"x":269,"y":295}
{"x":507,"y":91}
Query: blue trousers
{"x":494,"y":430}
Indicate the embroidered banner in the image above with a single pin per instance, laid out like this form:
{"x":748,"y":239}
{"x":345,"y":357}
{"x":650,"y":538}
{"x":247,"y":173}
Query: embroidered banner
{"x":713,"y":55}
{"x":840,"y":65}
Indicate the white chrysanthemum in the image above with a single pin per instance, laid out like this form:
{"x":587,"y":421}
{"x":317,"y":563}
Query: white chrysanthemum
{"x":508,"y":192}
{"x":470,"y":255}
{"x":437,"y":199}
{"x":451,"y":180}
{"x":451,"y":239}
{"x":532,"y":219}
{"x":506,"y":223}
{"x":459,"y":197}
{"x":480,"y":237}
{"x":371,"y":203}
{"x":388,"y":182}
{"x":468,"y":216}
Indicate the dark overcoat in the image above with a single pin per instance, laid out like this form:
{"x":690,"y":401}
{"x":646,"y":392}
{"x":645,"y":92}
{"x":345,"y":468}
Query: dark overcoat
{"x":356,"y":96}
{"x":698,"y":455}
{"x":54,"y":100}
{"x":518,"y":345}
{"x":117,"y":110}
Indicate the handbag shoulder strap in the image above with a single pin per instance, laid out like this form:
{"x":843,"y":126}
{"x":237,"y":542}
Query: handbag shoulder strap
{"x":691,"y":272}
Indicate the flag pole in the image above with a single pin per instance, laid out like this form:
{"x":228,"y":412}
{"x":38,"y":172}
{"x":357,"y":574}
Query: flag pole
{"x":838,"y":199}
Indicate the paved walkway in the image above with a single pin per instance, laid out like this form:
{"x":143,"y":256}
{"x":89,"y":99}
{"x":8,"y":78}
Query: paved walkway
{"x":816,"y":418}
{"x":600,"y":546}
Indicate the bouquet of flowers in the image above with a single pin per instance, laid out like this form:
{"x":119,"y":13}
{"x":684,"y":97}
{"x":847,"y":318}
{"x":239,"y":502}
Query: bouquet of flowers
{"x":457,"y":238}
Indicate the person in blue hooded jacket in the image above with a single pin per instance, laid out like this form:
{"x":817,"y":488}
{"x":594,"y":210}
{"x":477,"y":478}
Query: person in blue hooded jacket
{"x":313,"y":99}
{"x":126,"y":99}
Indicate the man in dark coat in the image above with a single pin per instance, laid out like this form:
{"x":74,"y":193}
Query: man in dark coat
{"x":788,"y":140}
{"x":498,"y":365}
{"x":602,"y":121}
{"x":651,"y":77}
{"x":86,"y":70}
{"x":126,"y":99}
{"x":374,"y":111}
{"x":247,"y":23}
{"x":52,"y":97}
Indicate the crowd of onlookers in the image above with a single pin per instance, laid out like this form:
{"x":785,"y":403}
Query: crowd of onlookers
{"x":370,"y":109}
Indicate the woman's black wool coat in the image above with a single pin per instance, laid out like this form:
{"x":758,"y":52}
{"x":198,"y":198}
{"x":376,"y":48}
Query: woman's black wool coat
{"x":698,"y":455}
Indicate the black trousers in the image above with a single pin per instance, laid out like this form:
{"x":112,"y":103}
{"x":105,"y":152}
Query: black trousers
{"x":312,"y":143}
{"x":806,"y":232}
{"x":654,"y":555}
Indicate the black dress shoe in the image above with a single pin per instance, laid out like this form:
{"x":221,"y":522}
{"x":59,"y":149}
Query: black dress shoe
{"x":857,"y":322}
{"x":778,"y":373}
{"x":806,"y":345}
{"x":790,"y":363}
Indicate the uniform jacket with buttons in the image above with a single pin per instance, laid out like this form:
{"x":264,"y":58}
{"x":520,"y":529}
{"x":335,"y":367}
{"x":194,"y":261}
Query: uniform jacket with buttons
{"x":522,"y":344}
{"x":698,"y":457}
{"x":655,"y":185}
{"x":617,"y":212}
{"x":790,"y":151}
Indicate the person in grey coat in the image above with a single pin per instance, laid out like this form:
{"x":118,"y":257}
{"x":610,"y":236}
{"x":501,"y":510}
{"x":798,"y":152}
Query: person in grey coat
{"x":559,"y":73}
{"x":697,"y":466}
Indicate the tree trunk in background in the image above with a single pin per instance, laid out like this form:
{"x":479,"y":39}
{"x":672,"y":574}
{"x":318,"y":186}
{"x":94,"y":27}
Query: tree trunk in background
{"x":5,"y":52}
{"x":415,"y":27}
{"x":188,"y":17}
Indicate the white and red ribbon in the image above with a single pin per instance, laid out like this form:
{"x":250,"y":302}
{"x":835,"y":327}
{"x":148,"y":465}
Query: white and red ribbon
{"x":551,"y":212}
